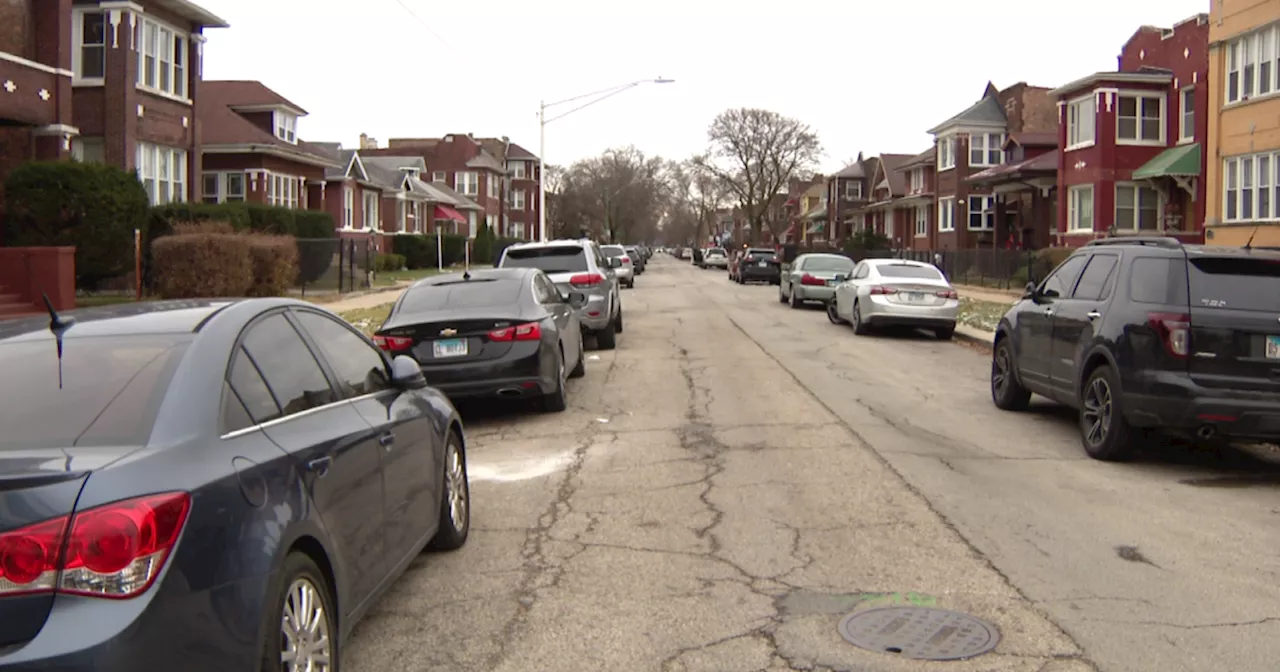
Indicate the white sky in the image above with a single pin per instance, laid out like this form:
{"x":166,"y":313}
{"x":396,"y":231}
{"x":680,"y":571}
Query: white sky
{"x":866,"y":76}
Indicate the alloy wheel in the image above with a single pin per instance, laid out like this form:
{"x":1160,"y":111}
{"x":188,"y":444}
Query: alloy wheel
{"x":456,"y":482}
{"x":304,"y":628}
{"x":1097,"y":411}
{"x":832,"y":314}
{"x":1000,"y":370}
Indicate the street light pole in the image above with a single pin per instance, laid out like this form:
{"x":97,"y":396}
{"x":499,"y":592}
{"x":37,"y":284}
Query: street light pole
{"x":596,"y":96}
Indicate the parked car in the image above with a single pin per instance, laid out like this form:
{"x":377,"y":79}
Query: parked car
{"x":626,"y":267}
{"x":578,"y":265}
{"x":896,"y":293}
{"x":1148,"y":336}
{"x":813,"y":277}
{"x":637,"y":258}
{"x":211,"y":485}
{"x":759,"y":264}
{"x":506,"y":333}
{"x":715,"y":257}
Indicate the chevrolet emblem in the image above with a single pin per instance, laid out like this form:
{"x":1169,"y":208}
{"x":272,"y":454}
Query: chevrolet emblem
{"x":448,"y":332}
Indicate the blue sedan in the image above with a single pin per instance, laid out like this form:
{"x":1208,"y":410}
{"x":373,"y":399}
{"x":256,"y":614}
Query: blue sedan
{"x":211,"y":485}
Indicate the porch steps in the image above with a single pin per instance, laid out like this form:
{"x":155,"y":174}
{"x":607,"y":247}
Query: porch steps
{"x":13,"y":305}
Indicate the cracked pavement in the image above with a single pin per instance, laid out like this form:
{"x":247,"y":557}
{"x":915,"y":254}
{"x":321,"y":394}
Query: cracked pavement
{"x":738,"y":475}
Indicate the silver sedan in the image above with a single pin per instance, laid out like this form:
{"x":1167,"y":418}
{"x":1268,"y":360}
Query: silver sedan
{"x":813,"y":277}
{"x":896,"y":292}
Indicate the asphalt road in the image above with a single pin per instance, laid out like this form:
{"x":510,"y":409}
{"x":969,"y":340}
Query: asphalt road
{"x":738,"y":475}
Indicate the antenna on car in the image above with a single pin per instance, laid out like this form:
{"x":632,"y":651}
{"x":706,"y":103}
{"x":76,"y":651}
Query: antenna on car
{"x":1248,"y":244}
{"x":58,"y":325}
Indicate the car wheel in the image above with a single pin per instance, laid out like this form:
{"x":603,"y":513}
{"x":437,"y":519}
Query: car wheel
{"x":832,"y":314}
{"x":782,"y":298}
{"x":859,"y":327}
{"x":580,"y":368}
{"x":455,"y":504}
{"x":1007,"y":393}
{"x":301,"y":624}
{"x":556,"y":401}
{"x":607,"y":338}
{"x":617,"y":323}
{"x":944,"y":334}
{"x":795,"y":303}
{"x":1103,"y":430}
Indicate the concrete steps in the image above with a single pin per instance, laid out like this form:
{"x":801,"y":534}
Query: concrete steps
{"x":13,"y":305}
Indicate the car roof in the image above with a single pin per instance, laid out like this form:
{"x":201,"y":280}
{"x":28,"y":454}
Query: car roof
{"x":620,"y":247}
{"x":564,"y":242}
{"x":478,"y":274}
{"x":124,"y":319}
{"x":897,"y":262}
{"x":827,"y":255}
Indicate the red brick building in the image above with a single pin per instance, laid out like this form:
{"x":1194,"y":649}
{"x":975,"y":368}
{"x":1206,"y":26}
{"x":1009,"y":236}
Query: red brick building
{"x":1131,"y":159}
{"x":885,"y":213}
{"x":920,"y":178}
{"x":847,"y":194}
{"x":520,"y":213}
{"x":1026,"y":189}
{"x":115,"y":82}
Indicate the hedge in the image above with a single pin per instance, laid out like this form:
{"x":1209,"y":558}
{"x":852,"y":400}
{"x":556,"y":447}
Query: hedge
{"x":210,"y":259}
{"x":385,"y":263}
{"x":419,"y":251}
{"x":93,"y":207}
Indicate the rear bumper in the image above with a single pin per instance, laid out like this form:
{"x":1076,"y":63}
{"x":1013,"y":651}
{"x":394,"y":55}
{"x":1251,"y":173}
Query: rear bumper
{"x":522,"y":373}
{"x":747,"y":272}
{"x":1175,"y":403}
{"x":813,"y":292}
{"x":881,"y":312}
{"x":715,"y":263}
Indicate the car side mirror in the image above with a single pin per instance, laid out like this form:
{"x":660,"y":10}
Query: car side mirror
{"x":1030,"y":291}
{"x":577,"y":299}
{"x":406,"y":373}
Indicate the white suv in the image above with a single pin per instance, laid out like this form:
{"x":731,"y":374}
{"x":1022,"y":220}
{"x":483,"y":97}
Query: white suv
{"x":577,"y":265}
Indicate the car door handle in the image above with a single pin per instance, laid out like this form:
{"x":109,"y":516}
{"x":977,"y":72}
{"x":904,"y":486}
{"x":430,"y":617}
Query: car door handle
{"x":1093,"y":315}
{"x":386,"y":439}
{"x":320,"y":465}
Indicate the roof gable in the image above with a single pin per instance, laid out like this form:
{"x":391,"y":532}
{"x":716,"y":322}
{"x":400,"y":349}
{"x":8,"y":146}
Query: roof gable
{"x":355,"y":168}
{"x":985,"y":112}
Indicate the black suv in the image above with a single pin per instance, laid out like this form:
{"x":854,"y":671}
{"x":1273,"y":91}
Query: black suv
{"x":1148,"y":336}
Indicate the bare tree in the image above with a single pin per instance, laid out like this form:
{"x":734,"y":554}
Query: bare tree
{"x":618,"y":195}
{"x":755,"y":153}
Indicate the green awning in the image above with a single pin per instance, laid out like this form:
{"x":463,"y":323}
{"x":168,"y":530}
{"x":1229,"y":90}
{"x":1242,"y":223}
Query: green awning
{"x":820,"y":213}
{"x":1181,"y":161}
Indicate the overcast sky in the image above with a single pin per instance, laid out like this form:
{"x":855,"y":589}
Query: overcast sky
{"x":866,"y":76}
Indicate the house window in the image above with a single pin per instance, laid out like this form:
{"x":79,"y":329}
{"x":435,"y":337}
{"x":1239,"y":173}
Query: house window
{"x":946,"y":214}
{"x":922,"y":221}
{"x":222,"y":188}
{"x":1137,"y":208}
{"x":888,"y":224}
{"x":946,"y":153}
{"x":286,"y":127}
{"x":1188,"y":117}
{"x":982,"y":213}
{"x":1082,"y":121}
{"x":491,"y":185}
{"x":282,"y":190}
{"x":161,"y":58}
{"x":369,"y":212}
{"x":403,"y":210}
{"x":492,"y":222}
{"x":89,"y":150}
{"x":467,"y":184}
{"x":517,"y":169}
{"x":1252,"y":188}
{"x":163,"y":173}
{"x":1253,"y":65}
{"x":517,"y":200}
{"x":853,"y":190}
{"x":348,"y":208}
{"x":517,"y":231}
{"x":985,"y":149}
{"x":1080,"y":208}
{"x":89,"y":35}
{"x":917,"y":180}
{"x":440,"y":177}
{"x":1140,"y":118}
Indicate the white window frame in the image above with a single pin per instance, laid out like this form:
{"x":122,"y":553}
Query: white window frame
{"x":1251,"y":182}
{"x":518,"y":200}
{"x":89,"y":149}
{"x":1186,"y":127}
{"x":369,"y":207}
{"x":440,"y":177}
{"x":1139,"y":191}
{"x":283,"y":190}
{"x":922,"y":221}
{"x":517,"y":169}
{"x":1082,"y":122}
{"x":168,"y":51}
{"x":1253,"y":66}
{"x":492,"y":221}
{"x":491,"y":185}
{"x":348,"y":208}
{"x":917,"y":180}
{"x":286,"y":125}
{"x":946,"y":214}
{"x":853,"y":190}
{"x":1075,"y":218}
{"x":467,"y":183}
{"x":78,"y":46}
{"x":989,"y":154}
{"x":946,"y":153}
{"x":163,"y":172}
{"x":221,"y":192}
{"x":1139,"y":97}
{"x":986,"y":210}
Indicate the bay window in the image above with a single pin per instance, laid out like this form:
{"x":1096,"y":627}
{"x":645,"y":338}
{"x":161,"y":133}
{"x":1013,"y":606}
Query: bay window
{"x":517,"y":200}
{"x":163,"y":173}
{"x":162,"y":58}
{"x":516,"y":168}
{"x":982,"y":213}
{"x":985,"y":149}
{"x":283,"y":190}
{"x":89,"y":39}
{"x":1080,"y":208}
{"x":467,"y":183}
{"x":946,"y":153}
{"x":1082,"y":122}
{"x":223,"y":188}
{"x":1140,"y":118}
{"x":1137,"y":208}
{"x":946,"y":214}
{"x":1251,"y":187}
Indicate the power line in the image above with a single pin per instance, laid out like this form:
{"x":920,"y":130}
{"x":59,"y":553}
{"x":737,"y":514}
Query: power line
{"x":426,"y":25}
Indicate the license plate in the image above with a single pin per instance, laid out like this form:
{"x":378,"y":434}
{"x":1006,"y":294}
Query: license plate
{"x":453,"y":347}
{"x":915,"y":297}
{"x":1273,"y":347}
{"x":763,"y":264}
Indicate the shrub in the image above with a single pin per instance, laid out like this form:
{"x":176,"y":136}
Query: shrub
{"x":453,"y":247}
{"x":386,"y":263}
{"x":90,"y":206}
{"x":317,"y":256}
{"x":275,"y":264}
{"x":203,"y":261}
{"x":418,"y":251}
{"x":482,"y":246}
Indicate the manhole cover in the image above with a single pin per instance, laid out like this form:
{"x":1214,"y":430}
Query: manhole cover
{"x":921,"y":633}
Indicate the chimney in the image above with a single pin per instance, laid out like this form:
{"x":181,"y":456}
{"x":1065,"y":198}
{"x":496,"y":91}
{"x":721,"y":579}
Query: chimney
{"x":367,"y":142}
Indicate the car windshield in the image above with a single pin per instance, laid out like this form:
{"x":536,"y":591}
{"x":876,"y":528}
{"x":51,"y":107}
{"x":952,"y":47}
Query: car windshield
{"x":1236,"y":283}
{"x":477,"y":292}
{"x":837,"y":264}
{"x":909,"y":271}
{"x":613,"y":251}
{"x":716,"y":251}
{"x":549,"y":259}
{"x":106,"y":391}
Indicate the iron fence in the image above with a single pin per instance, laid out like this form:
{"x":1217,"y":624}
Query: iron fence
{"x":995,"y":268}
{"x":327,"y":265}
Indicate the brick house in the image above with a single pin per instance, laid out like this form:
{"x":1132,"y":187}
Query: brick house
{"x":920,"y":177}
{"x":967,"y":215}
{"x":885,"y":213}
{"x":520,"y":211}
{"x":1026,"y":189}
{"x":847,"y":194}
{"x":1131,"y":159}
{"x":252,"y":151}
{"x":112,"y":83}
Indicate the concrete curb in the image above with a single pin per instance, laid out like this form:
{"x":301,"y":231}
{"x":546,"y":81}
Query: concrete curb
{"x":975,"y":336}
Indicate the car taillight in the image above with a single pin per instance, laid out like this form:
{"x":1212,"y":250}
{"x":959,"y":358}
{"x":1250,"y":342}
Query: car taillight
{"x":882,"y":290}
{"x":393,"y":343}
{"x":112,"y":551}
{"x":626,"y":260}
{"x":531,"y":331}
{"x":947,"y":294}
{"x":1174,"y":330}
{"x":586,"y":279}
{"x":807,"y":279}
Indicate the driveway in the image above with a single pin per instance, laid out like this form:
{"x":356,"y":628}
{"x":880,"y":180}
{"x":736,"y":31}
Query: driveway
{"x":737,"y":476}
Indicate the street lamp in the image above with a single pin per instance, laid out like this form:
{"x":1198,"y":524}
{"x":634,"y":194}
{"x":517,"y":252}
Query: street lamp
{"x":595,"y":96}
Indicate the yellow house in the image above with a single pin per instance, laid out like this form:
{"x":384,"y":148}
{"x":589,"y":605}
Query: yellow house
{"x":813,"y":212}
{"x":1242,"y":169}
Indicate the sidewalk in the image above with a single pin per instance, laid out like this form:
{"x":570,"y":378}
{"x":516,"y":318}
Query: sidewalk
{"x":1005,"y":296}
{"x":369,"y":299}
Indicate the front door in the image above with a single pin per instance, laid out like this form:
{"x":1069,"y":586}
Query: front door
{"x":1035,"y":322}
{"x":1075,"y":319}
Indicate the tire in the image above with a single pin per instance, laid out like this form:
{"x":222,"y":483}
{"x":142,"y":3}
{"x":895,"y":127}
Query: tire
{"x":832,"y":315}
{"x":859,"y":327}
{"x":782,"y":298}
{"x":1006,"y":392}
{"x":556,"y":401}
{"x":617,"y":323}
{"x":795,"y":305}
{"x":1110,"y":439}
{"x":299,"y":577}
{"x":944,"y":334}
{"x":455,"y":524}
{"x":580,"y":367}
{"x":607,"y":338}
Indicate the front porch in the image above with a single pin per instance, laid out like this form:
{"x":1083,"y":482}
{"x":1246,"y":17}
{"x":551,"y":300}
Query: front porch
{"x":1026,"y":201}
{"x":1174,"y":175}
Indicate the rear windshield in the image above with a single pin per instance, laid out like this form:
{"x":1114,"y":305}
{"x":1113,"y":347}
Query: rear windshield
{"x":716,"y":250}
{"x":756,"y":254}
{"x":109,"y":395}
{"x":551,"y":259}
{"x":461,"y":294}
{"x":827,"y":264}
{"x":613,"y":251}
{"x":1235,"y":283}
{"x":909,"y":271}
